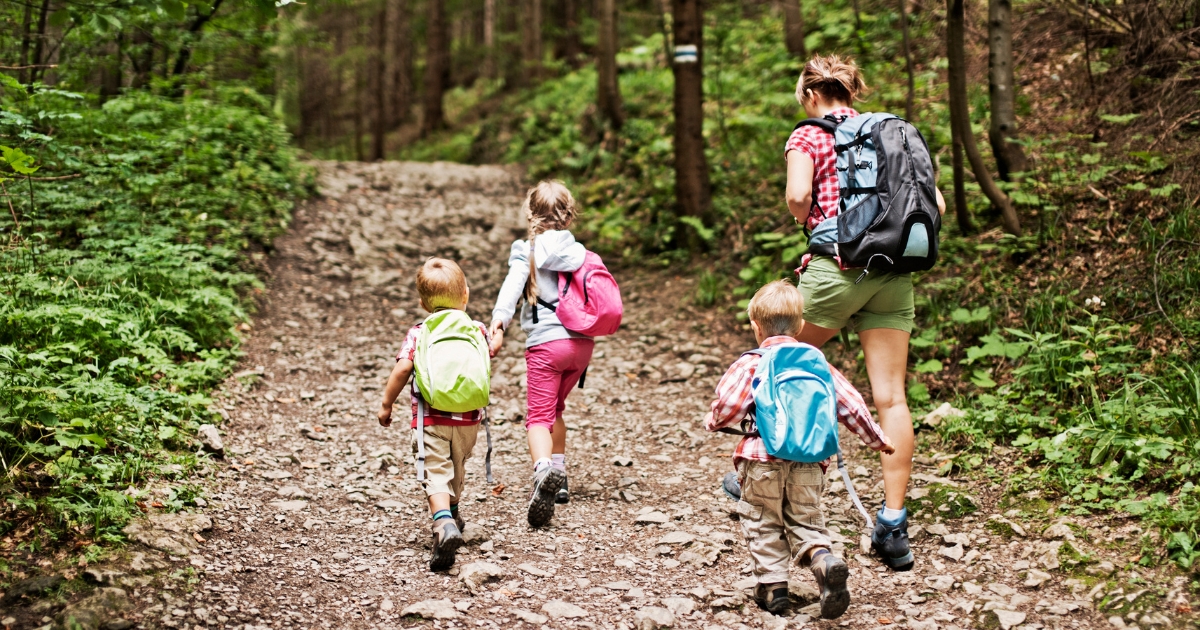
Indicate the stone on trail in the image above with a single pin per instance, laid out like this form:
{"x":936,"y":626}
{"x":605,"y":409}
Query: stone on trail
{"x":292,"y":492}
{"x":558,"y":609}
{"x":473,"y":534}
{"x":676,"y":538}
{"x":928,"y":624}
{"x":957,"y":539}
{"x":171,"y":533}
{"x":1058,"y":531}
{"x":622,"y":461}
{"x":289,"y":506}
{"x":679,"y":605}
{"x":32,"y":587}
{"x":530,"y":617}
{"x":1009,"y":618}
{"x":803,"y":591}
{"x":432,"y":609}
{"x":102,"y":608}
{"x":937,"y":529}
{"x":1036,"y":578}
{"x":946,"y":410}
{"x":356,"y":497}
{"x":1003,"y":590}
{"x":745,"y":584}
{"x":955,"y":553}
{"x":652,"y":517}
{"x":653,"y":618}
{"x":532,"y":570}
{"x":210,"y":439}
{"x":1104,"y":568}
{"x":275,"y":475}
{"x":940,"y":582}
{"x":618,"y":586}
{"x":476,"y":574}
{"x":390,"y":504}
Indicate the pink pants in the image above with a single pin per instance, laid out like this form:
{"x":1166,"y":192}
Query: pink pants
{"x":553,"y":369}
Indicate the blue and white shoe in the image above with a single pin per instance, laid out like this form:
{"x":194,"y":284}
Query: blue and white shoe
{"x":890,"y":541}
{"x":732,"y":488}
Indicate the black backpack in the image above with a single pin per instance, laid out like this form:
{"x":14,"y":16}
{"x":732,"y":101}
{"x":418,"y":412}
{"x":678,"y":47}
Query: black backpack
{"x":888,"y":219}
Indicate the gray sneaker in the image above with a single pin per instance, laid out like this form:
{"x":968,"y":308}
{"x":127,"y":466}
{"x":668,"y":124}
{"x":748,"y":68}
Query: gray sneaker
{"x":546,"y":484}
{"x":831,"y":573}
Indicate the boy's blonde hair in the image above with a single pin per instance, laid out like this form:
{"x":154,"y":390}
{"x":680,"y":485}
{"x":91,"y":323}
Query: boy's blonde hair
{"x":548,"y":206}
{"x":441,"y":284}
{"x":834,"y":77}
{"x":778,"y":309}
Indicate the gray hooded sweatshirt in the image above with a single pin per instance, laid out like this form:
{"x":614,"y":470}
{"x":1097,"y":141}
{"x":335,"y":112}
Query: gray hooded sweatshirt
{"x":556,"y":251}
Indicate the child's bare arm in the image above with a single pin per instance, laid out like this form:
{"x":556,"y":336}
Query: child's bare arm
{"x":396,"y":382}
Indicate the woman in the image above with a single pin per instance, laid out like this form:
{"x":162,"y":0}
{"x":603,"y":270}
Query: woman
{"x":879,"y":307}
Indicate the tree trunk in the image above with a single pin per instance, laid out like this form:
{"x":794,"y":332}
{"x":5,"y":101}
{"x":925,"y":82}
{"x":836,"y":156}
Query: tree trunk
{"x":608,"y":89}
{"x":437,"y":68}
{"x":570,"y":47}
{"x":400,"y":30}
{"x":531,"y":48}
{"x":38,"y":42}
{"x":668,"y":44}
{"x":511,"y":63}
{"x":185,"y":49}
{"x":26,"y":22}
{"x":692,"y":189}
{"x":141,"y":58}
{"x":489,"y":39}
{"x":379,"y":86}
{"x":1010,"y":158}
{"x":110,"y":69}
{"x":793,"y":28}
{"x":961,"y":116}
{"x":908,"y":62}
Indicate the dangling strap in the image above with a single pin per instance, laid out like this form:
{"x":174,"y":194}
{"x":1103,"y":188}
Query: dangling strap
{"x":487,"y":460}
{"x":582,"y":377}
{"x":420,"y":437}
{"x":850,"y":490}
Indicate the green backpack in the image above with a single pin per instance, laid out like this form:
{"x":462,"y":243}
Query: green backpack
{"x":453,"y":367}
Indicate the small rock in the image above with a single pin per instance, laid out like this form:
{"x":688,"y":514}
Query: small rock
{"x":474,"y":534}
{"x":289,"y":506}
{"x":946,"y":410}
{"x":1035,"y":578}
{"x":618,"y":586}
{"x":803,"y":591}
{"x":463,"y":606}
{"x":530,"y":617}
{"x":745,"y":584}
{"x":957,"y":539}
{"x":390,"y":504}
{"x":101,"y":608}
{"x":593,"y":488}
{"x":937,"y":529}
{"x":558,"y":609}
{"x":532,"y":570}
{"x":275,"y":475}
{"x":1116,"y":621}
{"x":386,"y":605}
{"x":700,"y":593}
{"x":432,"y":609}
{"x":622,"y":461}
{"x":679,"y":605}
{"x":632,"y":594}
{"x":476,"y":574}
{"x":1009,"y":618}
{"x":626,"y":482}
{"x":210,"y":439}
{"x":653,"y":618}
{"x":652,"y":517}
{"x":1058,"y":531}
{"x":31,"y":587}
{"x":292,"y":492}
{"x":676,"y":538}
{"x":940,"y":582}
{"x":1104,"y":568}
{"x":928,"y":624}
{"x":356,"y":497}
{"x":1003,"y":590}
{"x":955,"y":553}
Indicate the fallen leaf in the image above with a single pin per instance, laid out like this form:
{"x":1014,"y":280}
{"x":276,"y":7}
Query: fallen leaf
{"x":318,"y":429}
{"x":198,"y":537}
{"x":497,"y":489}
{"x":287,"y":401}
{"x":884,"y":621}
{"x":248,"y":462}
{"x":1183,"y":608}
{"x":141,"y":505}
{"x":157,"y":504}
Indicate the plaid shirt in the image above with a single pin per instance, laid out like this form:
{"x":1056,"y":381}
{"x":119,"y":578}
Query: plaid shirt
{"x":433,"y":416}
{"x":735,"y":394}
{"x":818,"y":145}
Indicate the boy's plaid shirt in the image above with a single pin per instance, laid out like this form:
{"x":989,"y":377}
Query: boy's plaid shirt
{"x":735,"y":394}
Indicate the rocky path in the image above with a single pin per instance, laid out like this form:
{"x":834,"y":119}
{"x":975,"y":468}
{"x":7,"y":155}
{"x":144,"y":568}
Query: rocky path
{"x":317,"y":522}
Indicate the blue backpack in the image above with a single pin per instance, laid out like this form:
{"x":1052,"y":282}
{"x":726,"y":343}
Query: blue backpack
{"x":795,"y":409}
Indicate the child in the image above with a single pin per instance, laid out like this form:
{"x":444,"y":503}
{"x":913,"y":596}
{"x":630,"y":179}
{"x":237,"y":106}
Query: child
{"x":447,"y":437}
{"x":556,"y":357}
{"x":780,"y":504}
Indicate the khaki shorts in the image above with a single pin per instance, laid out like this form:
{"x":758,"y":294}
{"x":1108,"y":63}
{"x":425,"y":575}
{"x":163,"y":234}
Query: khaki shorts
{"x":833,"y":300}
{"x":781,"y":515}
{"x":447,"y":449}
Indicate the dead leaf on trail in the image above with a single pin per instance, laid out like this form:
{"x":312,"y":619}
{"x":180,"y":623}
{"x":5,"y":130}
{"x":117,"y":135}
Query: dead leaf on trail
{"x":198,"y":537}
{"x":141,"y":505}
{"x":157,"y":504}
{"x":884,"y":621}
{"x":318,"y":429}
{"x":287,"y":401}
{"x":497,"y":489}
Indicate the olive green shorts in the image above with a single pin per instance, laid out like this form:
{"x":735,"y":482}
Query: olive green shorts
{"x":833,"y":300}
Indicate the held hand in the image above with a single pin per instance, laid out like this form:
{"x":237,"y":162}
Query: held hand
{"x":385,"y":416}
{"x":887,"y":449}
{"x":497,"y":335}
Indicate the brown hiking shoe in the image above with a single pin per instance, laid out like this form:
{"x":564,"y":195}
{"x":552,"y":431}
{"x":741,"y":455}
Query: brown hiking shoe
{"x":772,"y":598}
{"x":831,"y":573}
{"x":446,"y":541}
{"x":459,"y":522}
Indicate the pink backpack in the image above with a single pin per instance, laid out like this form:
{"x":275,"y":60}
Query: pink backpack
{"x":589,"y":300}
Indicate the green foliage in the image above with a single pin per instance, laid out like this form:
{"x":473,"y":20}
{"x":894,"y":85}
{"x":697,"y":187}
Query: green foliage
{"x":120,"y":292}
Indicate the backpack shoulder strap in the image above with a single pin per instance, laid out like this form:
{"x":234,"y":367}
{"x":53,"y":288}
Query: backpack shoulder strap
{"x":829,"y":126}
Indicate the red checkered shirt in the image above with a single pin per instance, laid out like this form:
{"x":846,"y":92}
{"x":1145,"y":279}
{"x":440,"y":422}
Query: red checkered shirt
{"x":818,"y":145}
{"x":735,"y":394}
{"x":433,"y":416}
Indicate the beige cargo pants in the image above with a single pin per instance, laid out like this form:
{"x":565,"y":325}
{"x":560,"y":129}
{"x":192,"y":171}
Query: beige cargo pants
{"x":447,"y":449}
{"x":781,"y":515}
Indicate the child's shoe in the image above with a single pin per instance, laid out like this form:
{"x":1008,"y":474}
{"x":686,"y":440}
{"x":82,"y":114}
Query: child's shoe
{"x":459,"y":522}
{"x":890,"y":541}
{"x":446,"y":540}
{"x":546,"y":484}
{"x":563,"y":496}
{"x":732,"y":488}
{"x":831,"y":573}
{"x":772,"y":598}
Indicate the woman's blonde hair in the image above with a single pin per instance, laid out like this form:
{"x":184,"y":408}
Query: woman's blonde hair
{"x":548,"y":206}
{"x":834,"y":77}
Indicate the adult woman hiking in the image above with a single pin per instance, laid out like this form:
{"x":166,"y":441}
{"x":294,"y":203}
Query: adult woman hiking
{"x":878,"y":306}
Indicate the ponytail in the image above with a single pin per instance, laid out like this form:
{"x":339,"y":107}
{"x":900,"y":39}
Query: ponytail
{"x":548,"y":206}
{"x":834,"y":77}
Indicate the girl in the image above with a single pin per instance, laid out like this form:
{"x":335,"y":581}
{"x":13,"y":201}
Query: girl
{"x":879,"y":309}
{"x":555,"y":357}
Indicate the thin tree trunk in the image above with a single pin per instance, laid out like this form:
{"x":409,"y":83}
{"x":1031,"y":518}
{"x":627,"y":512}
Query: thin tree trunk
{"x":38,"y":42}
{"x":379,"y":86}
{"x":531,"y":49}
{"x":908,"y":62}
{"x":185,"y":50}
{"x":692,"y":189}
{"x":437,"y":68}
{"x":26,"y":22}
{"x":793,"y":28}
{"x":141,"y":58}
{"x":608,"y":89}
{"x":400,"y":30}
{"x":961,"y":115}
{"x":1010,"y":158}
{"x":668,"y":43}
{"x":962,"y":212}
{"x":110,"y":69}
{"x":489,"y":38}
{"x":571,"y":47}
{"x":359,"y":85}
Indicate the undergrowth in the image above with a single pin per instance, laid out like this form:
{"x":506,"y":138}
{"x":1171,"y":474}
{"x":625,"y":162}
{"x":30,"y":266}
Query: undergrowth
{"x":120,"y":292}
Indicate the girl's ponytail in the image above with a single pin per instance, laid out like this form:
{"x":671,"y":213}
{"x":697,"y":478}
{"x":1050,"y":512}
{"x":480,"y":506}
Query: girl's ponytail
{"x":834,"y":77}
{"x":548,"y":206}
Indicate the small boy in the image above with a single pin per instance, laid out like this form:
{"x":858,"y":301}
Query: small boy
{"x":780,"y":505}
{"x":448,"y":437}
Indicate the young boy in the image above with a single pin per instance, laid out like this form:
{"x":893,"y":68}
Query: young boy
{"x":780,"y":506}
{"x":448,"y":437}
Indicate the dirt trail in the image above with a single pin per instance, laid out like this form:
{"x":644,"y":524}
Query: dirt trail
{"x":318,"y":523}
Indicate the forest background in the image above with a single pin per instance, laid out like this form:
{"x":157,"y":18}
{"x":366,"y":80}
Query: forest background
{"x":151,"y":152}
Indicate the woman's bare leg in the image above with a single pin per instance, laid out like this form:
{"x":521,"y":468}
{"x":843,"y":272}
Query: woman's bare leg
{"x":886,"y":351}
